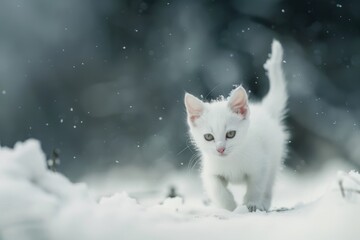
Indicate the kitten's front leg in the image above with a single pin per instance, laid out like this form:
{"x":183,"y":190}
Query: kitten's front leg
{"x":216,"y":188}
{"x":253,"y":198}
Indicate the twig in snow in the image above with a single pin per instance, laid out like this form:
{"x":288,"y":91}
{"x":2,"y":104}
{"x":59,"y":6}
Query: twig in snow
{"x":343,"y":190}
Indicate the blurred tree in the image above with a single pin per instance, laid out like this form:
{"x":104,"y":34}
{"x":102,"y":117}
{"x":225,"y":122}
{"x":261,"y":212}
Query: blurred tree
{"x":104,"y":80}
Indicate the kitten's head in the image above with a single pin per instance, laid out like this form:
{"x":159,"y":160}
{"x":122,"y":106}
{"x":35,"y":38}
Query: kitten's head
{"x":218,"y":127}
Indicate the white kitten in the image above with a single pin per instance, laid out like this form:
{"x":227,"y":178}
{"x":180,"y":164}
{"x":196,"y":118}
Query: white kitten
{"x":241,"y":141}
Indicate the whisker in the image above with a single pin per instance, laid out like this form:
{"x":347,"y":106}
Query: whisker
{"x":182,"y":150}
{"x":192,"y":159}
{"x":196,"y":162}
{"x":185,"y":148}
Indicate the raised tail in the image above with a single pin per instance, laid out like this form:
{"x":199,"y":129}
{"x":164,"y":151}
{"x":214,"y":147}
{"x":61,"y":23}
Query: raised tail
{"x":275,"y":100}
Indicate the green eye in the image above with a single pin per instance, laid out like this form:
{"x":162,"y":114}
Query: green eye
{"x":230,"y":134}
{"x":208,"y":137}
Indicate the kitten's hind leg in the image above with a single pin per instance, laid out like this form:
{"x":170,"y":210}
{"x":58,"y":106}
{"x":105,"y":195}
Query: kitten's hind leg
{"x":268,"y":191}
{"x":219,"y":194}
{"x":267,"y":197}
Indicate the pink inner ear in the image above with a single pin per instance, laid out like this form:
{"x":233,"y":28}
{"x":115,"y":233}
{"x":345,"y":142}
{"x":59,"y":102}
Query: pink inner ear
{"x":238,"y":102}
{"x":193,"y":118}
{"x":240,"y":109}
{"x":244,"y":110}
{"x":194,"y":107}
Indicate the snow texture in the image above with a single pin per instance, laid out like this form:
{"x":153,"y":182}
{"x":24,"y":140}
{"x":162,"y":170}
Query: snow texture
{"x":36,"y":203}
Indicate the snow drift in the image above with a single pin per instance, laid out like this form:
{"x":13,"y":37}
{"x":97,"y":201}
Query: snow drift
{"x":36,"y":203}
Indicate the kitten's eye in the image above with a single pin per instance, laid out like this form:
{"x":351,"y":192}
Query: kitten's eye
{"x":208,"y":137}
{"x":230,"y":134}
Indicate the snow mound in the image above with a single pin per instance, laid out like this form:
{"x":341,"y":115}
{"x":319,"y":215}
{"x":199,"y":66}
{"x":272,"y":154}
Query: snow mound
{"x":36,"y":203}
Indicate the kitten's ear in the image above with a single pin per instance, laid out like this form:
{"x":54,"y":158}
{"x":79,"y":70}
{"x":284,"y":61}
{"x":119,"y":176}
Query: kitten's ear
{"x":194,"y":106}
{"x":238,"y":101}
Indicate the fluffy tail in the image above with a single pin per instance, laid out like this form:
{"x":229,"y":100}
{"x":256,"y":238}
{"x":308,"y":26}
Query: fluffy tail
{"x":275,"y":100}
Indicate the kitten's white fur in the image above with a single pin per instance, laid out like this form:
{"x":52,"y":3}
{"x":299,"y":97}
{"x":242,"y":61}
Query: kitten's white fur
{"x":256,"y":152}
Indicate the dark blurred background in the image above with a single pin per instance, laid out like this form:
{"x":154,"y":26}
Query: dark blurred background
{"x":103,"y":81}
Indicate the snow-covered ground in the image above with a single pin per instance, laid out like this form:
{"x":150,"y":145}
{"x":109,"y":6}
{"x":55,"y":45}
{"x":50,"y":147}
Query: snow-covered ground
{"x":36,"y":203}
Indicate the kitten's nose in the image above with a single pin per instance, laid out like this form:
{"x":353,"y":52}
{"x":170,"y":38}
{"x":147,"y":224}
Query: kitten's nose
{"x":221,"y":149}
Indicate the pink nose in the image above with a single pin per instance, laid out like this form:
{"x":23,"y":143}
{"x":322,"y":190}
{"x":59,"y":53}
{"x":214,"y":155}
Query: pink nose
{"x":221,"y":149}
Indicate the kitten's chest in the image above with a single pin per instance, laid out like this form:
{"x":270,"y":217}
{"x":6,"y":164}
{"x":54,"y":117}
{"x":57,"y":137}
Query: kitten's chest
{"x":233,"y":175}
{"x":232,"y":172}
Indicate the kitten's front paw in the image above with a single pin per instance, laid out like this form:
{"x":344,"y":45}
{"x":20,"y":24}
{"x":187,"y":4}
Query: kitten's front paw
{"x":252,"y":207}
